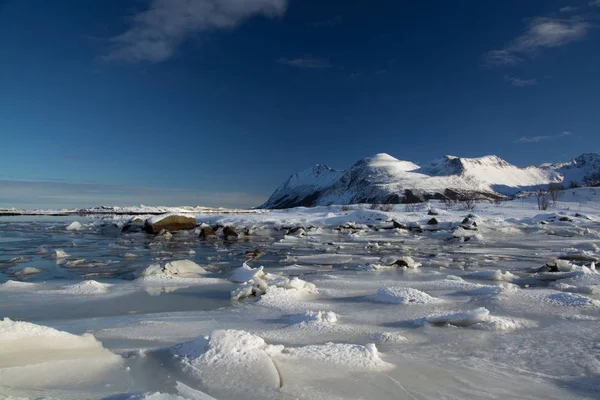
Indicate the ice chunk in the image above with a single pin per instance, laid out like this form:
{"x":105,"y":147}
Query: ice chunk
{"x":465,"y":318}
{"x":36,"y":355}
{"x":348,"y":355}
{"x":230,"y":353}
{"x":402,"y":295}
{"x":75,"y":226}
{"x":320,"y":317}
{"x":185,"y":268}
{"x":60,"y":254}
{"x":86,"y":287}
{"x":246,"y":273}
{"x":504,"y":324}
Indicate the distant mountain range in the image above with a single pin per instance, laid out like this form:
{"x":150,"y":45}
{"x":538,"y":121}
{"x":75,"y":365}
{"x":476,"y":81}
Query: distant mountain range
{"x":385,"y":179}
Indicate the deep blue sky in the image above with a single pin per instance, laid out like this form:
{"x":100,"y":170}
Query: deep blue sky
{"x":218,"y":101}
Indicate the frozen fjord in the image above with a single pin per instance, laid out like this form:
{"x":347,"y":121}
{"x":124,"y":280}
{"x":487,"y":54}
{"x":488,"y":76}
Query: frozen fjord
{"x":489,"y":312}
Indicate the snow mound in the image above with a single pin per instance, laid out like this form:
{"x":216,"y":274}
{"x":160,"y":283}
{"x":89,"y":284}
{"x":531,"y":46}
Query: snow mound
{"x":464,"y":318}
{"x":315,"y":317}
{"x":571,"y":300}
{"x":75,"y":226}
{"x":86,"y":287}
{"x":402,"y":295}
{"x":497,"y":275}
{"x":229,"y":359}
{"x":348,"y":355}
{"x":504,"y":324}
{"x":17,"y":286}
{"x":258,"y":283}
{"x":491,"y":290}
{"x":185,"y":268}
{"x":387,"y":337}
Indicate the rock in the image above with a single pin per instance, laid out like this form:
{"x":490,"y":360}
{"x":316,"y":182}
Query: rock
{"x":398,"y":225}
{"x":207,"y":233}
{"x":172,"y":223}
{"x":132,"y":228}
{"x":137,"y":219}
{"x":433,"y":211}
{"x":297,"y":231}
{"x":257,"y":253}
{"x":549,"y":268}
{"x":432,"y":221}
{"x":466,"y":221}
{"x":230,"y":233}
{"x":565,"y":219}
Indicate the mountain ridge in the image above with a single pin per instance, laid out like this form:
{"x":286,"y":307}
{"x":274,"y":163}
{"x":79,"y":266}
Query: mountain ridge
{"x":382,"y":178}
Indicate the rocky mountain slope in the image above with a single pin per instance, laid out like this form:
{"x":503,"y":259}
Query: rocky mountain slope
{"x":385,"y":179}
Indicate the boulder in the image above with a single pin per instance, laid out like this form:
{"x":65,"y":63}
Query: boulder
{"x":132,"y":228}
{"x":207,"y":233}
{"x":170,"y":222}
{"x":565,"y":219}
{"x":230,"y":233}
{"x":398,"y":225}
{"x":432,"y":221}
{"x":433,"y":211}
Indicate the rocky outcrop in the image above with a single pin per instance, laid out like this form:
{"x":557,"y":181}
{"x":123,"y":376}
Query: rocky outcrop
{"x":170,"y":222}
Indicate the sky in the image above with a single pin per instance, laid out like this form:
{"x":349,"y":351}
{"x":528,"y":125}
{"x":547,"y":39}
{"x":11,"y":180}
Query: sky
{"x":217,"y":102}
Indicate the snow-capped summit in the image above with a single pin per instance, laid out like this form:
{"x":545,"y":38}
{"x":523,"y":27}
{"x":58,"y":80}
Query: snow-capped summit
{"x":385,"y":179}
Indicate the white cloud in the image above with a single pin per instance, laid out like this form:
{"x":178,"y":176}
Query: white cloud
{"x":305,"y":62}
{"x":520,"y":82}
{"x":24,"y":194}
{"x":156,"y":33}
{"x":594,"y":3}
{"x":541,"y":33}
{"x":535,"y":139}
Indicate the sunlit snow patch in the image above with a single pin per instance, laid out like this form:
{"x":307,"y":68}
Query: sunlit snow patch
{"x":402,"y":295}
{"x":184,"y":268}
{"x":497,"y":275}
{"x":572,"y":300}
{"x":38,"y":356}
{"x":315,"y":317}
{"x":348,"y":355}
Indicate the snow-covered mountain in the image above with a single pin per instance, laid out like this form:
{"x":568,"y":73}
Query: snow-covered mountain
{"x":385,"y":179}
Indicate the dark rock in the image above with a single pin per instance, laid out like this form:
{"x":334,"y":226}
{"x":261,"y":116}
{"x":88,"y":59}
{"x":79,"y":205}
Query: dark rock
{"x":230,"y":233}
{"x":400,"y":263}
{"x":207,"y":233}
{"x":432,"y":221}
{"x":257,"y":253}
{"x":172,"y":223}
{"x":549,"y":268}
{"x":295,"y":230}
{"x":565,"y":219}
{"x":433,"y":211}
{"x":466,"y":221}
{"x":132,"y":228}
{"x":398,"y":225}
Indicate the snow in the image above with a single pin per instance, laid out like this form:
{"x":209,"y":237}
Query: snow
{"x":474,"y":315}
{"x":182,"y":268}
{"x":348,"y":355}
{"x":75,"y":226}
{"x":402,"y":295}
{"x":462,"y":318}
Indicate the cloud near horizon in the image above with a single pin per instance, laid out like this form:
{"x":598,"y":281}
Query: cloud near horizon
{"x":25,"y":194}
{"x":536,"y":139}
{"x":541,"y":33}
{"x":518,"y":82}
{"x":156,"y":33}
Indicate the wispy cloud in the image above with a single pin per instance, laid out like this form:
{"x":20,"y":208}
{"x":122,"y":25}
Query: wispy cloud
{"x":354,"y":75}
{"x":305,"y":62}
{"x":25,"y":194}
{"x":535,"y":139}
{"x":327,"y":23}
{"x":594,"y":3}
{"x":381,"y":72}
{"x":569,"y":9}
{"x":541,"y":33}
{"x":520,"y":82}
{"x":156,"y":33}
